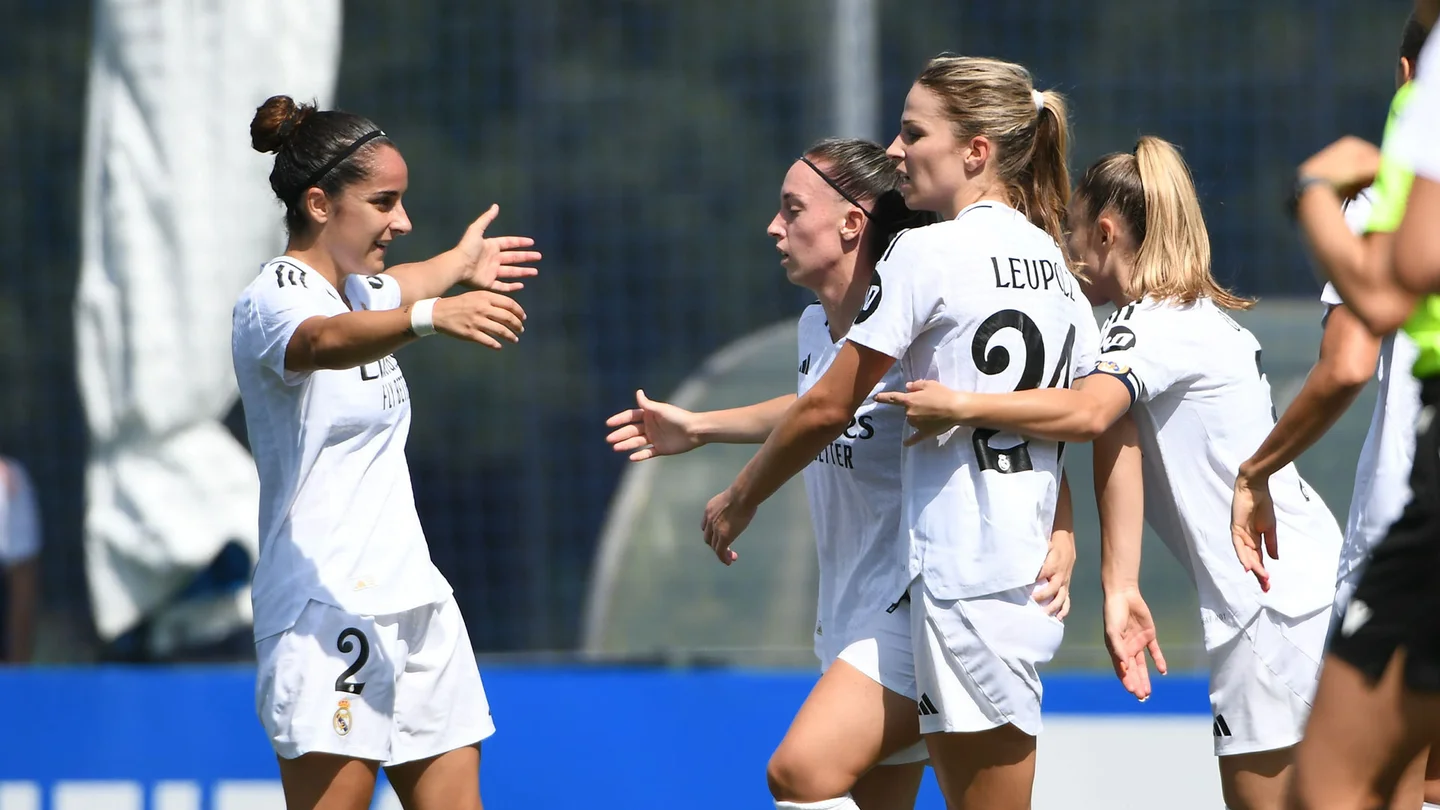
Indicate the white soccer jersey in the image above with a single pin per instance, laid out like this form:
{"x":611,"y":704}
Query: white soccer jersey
{"x":854,"y":492}
{"x":337,"y":515}
{"x":1382,"y":476}
{"x":1202,"y":405}
{"x":982,"y":303}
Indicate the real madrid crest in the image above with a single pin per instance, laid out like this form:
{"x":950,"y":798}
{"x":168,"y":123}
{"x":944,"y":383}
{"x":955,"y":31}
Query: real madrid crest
{"x":341,"y":721}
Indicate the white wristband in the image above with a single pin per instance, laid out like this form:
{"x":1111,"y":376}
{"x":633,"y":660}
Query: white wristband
{"x":422,"y":317}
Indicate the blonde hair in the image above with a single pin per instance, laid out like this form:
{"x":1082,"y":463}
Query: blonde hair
{"x":1151,"y":191}
{"x":998,"y":100}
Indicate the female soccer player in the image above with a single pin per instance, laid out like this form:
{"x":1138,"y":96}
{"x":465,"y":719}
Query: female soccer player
{"x":1343,"y":238}
{"x":839,"y":208}
{"x":1377,"y":707}
{"x":364,"y":660}
{"x":986,"y":300}
{"x":1192,"y":377}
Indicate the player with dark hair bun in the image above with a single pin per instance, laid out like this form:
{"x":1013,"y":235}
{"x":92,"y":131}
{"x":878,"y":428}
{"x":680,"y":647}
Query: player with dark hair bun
{"x":364,"y":660}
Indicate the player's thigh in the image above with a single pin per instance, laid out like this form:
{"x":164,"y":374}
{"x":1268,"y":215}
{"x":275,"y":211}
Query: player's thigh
{"x":848,"y":723}
{"x":327,"y":782}
{"x":1257,"y":780}
{"x":993,"y":769}
{"x":889,"y":787}
{"x":1358,"y":742}
{"x":450,"y":781}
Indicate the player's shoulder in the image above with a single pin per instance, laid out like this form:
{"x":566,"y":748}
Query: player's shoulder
{"x":282,"y":279}
{"x":812,"y":317}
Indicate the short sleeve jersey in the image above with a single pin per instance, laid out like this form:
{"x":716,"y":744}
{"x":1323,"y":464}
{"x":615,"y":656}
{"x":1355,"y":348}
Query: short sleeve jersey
{"x":1202,"y":405}
{"x":984,"y":303}
{"x":337,"y":515}
{"x":853,"y":487}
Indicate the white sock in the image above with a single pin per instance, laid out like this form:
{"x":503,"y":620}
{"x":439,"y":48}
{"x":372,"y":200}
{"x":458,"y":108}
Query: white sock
{"x":1429,"y":806}
{"x":842,"y":803}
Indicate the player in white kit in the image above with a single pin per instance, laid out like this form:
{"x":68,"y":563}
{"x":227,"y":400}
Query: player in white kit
{"x":1349,"y":356}
{"x":364,"y":661}
{"x":1193,"y":381}
{"x":986,"y":300}
{"x":858,"y":732}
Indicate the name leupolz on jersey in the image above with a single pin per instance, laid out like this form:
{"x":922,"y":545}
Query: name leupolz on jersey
{"x":1032,"y":274}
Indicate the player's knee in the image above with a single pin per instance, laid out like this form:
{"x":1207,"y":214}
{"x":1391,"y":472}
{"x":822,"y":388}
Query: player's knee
{"x":795,"y":777}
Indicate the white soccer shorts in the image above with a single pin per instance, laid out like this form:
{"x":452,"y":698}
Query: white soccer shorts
{"x":882,"y":652}
{"x":1263,"y":680}
{"x":976,"y":660}
{"x":390,"y":689}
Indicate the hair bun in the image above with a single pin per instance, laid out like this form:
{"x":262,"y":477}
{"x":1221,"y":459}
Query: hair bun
{"x":274,"y":122}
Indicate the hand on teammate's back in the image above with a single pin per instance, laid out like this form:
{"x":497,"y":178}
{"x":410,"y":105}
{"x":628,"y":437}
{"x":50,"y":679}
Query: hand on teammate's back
{"x":650,"y":430}
{"x":489,"y":261}
{"x":1129,"y":635}
{"x":1348,"y":165}
{"x":480,"y":317}
{"x":1252,"y":526}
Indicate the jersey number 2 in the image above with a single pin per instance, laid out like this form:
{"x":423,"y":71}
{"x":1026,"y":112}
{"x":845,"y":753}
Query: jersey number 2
{"x":996,"y":360}
{"x":343,"y":643}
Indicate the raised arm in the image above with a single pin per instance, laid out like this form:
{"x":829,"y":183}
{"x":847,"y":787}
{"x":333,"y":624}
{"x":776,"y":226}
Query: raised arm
{"x":353,"y":339}
{"x":810,"y":423}
{"x":1359,"y":267}
{"x":654,"y":428}
{"x":1120,"y":495}
{"x":478,"y":262}
{"x":1417,"y":242}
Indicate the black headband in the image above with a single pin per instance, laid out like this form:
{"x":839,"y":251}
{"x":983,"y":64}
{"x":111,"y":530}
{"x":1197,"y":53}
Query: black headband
{"x":836,"y":186}
{"x":340,"y":158}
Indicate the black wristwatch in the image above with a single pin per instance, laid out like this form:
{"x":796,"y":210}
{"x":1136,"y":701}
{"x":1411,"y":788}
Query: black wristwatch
{"x":1303,"y":184}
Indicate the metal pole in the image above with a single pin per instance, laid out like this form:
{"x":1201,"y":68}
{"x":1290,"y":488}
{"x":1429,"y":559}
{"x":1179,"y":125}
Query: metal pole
{"x":855,"y":69}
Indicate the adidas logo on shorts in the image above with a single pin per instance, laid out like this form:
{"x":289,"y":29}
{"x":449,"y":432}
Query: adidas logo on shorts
{"x":925,"y":706}
{"x":1221,"y":728}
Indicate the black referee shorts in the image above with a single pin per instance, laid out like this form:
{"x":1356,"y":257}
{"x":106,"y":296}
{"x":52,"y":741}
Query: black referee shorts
{"x":1397,"y":602}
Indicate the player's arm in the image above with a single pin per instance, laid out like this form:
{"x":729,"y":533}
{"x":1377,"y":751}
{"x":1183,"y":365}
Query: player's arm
{"x":1348,"y":353}
{"x":810,"y":423}
{"x":1076,"y":414}
{"x":22,"y":585}
{"x":1417,"y":242}
{"x":1059,"y":563}
{"x":655,"y":428}
{"x":1358,"y":266}
{"x":483,"y":263}
{"x":353,"y":339}
{"x":1120,"y":496}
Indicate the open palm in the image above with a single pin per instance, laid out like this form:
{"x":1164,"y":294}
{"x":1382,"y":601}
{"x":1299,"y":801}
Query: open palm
{"x":652,"y":429}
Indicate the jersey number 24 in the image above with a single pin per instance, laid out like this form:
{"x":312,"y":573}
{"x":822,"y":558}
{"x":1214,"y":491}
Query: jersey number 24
{"x":996,"y":360}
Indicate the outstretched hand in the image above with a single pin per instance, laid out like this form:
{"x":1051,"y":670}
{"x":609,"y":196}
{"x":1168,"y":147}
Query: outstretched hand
{"x":651,"y":429}
{"x":491,"y":262}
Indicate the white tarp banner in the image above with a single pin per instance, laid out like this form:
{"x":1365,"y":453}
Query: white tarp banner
{"x":177,"y":217}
